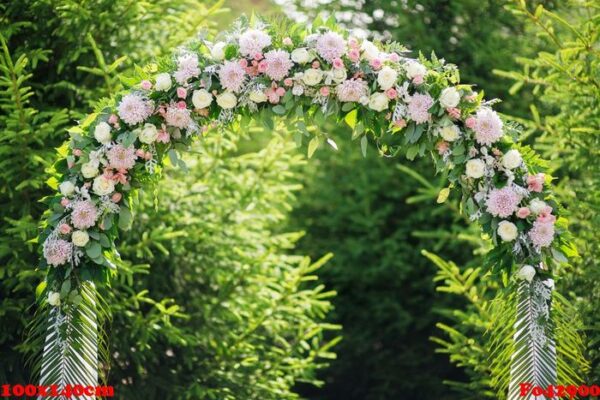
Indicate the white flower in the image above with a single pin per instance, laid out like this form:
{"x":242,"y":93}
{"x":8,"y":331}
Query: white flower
{"x":449,"y":132}
{"x":526,"y":273}
{"x":148,"y":134}
{"x":297,"y":90}
{"x":163,"y":82}
{"x":386,"y":78}
{"x":364,"y":100}
{"x":370,"y":51}
{"x":258,"y":96}
{"x":512,"y":159}
{"x":80,"y":238}
{"x":218,"y":51}
{"x":507,"y":231}
{"x":202,"y":98}
{"x":54,"y":298}
{"x":301,"y":56}
{"x":378,"y":101}
{"x":537,"y":206}
{"x":338,"y":75}
{"x":312,"y":76}
{"x":475,"y":168}
{"x":226,"y":100}
{"x":449,"y":97}
{"x":103,"y":186}
{"x":414,"y":69}
{"x":67,"y":188}
{"x":253,"y":41}
{"x":89,"y":169}
{"x":102,"y":133}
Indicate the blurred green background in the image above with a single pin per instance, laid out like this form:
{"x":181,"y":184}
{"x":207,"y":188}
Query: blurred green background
{"x":228,"y":290}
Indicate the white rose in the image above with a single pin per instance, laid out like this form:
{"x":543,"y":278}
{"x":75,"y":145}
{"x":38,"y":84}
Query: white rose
{"x":512,"y":159}
{"x":449,"y":97}
{"x":370,"y":51}
{"x":163,"y":82}
{"x":300,"y":56}
{"x":450,"y":132}
{"x":102,"y":133}
{"x":378,"y":101}
{"x":226,"y":100}
{"x":339,"y":75}
{"x":54,"y":298}
{"x":297,"y":90}
{"x":80,"y":238}
{"x":507,"y":231}
{"x":475,"y":168}
{"x":386,"y":78}
{"x":218,"y":51}
{"x":526,"y":273}
{"x":258,"y":96}
{"x":414,"y":69}
{"x":312,"y":76}
{"x":103,"y":186}
{"x":202,"y":98}
{"x":148,"y":134}
{"x":89,"y":170}
{"x":364,"y":100}
{"x":67,"y":188}
{"x":536,"y":206}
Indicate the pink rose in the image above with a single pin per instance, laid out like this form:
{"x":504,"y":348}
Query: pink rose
{"x":394,"y":57}
{"x":116,"y":197}
{"x":139,"y":153}
{"x":181,"y":105}
{"x":535,"y":183}
{"x":453,"y":112}
{"x":146,"y":85}
{"x":181,"y":93}
{"x":288,"y":82}
{"x":113,"y":119}
{"x":316,"y":64}
{"x":280,"y":91}
{"x":324,"y":91}
{"x":417,"y":80}
{"x":375,"y":63}
{"x":64,"y":202}
{"x":258,"y":56}
{"x":287,"y":41}
{"x":353,"y":43}
{"x":354,"y":55}
{"x":523,"y":212}
{"x":338,"y":63}
{"x":391,"y":93}
{"x":64,"y":229}
{"x":77,"y":152}
{"x":262,"y":66}
{"x":470,"y":122}
{"x":243,"y":62}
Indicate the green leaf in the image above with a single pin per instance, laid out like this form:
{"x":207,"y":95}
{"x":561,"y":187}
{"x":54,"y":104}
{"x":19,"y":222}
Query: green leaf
{"x":93,"y":249}
{"x":125,"y":218}
{"x":278,"y":109}
{"x":363,"y":145}
{"x":313,"y":145}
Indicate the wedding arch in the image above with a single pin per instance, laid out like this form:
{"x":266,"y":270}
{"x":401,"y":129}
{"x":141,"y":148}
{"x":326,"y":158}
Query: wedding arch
{"x":410,"y":106}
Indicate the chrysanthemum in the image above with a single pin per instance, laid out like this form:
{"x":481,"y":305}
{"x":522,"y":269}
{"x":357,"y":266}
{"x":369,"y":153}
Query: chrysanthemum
{"x":331,"y":45}
{"x":134,"y":109}
{"x":187,"y":67}
{"x":278,"y":64}
{"x":502,"y":202}
{"x":253,"y":42}
{"x":542,"y":234}
{"x":351,"y":90}
{"x":488,"y":126}
{"x":57,"y":251}
{"x":120,"y":157}
{"x":178,"y":117}
{"x":84,"y":214}
{"x":418,"y":107}
{"x":232,"y":75}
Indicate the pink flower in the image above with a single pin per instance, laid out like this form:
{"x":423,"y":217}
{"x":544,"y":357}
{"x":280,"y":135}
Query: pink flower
{"x":272,"y":95}
{"x":442,"y":147}
{"x":178,"y":117}
{"x":134,"y":109}
{"x":64,"y":202}
{"x":84,"y":214}
{"x":542,"y":234}
{"x":181,"y":92}
{"x":77,"y":152}
{"x":470,"y":122}
{"x":400,"y":123}
{"x":181,"y":105}
{"x":120,"y":157}
{"x":64,"y":229}
{"x":258,"y":56}
{"x":57,"y":251}
{"x":113,"y":119}
{"x":148,"y":156}
{"x":351,"y":90}
{"x":243,"y":62}
{"x":287,"y":41}
{"x":535,"y":183}
{"x":116,"y":197}
{"x":391,"y":93}
{"x":324,"y":91}
{"x":331,"y":45}
{"x":232,"y":76}
{"x":163,"y":136}
{"x":253,"y":41}
{"x":394,"y":57}
{"x":354,"y":55}
{"x":139,"y":152}
{"x":546,"y":216}
{"x":280,"y":91}
{"x":523,"y":212}
{"x":375,"y":63}
{"x":315,"y":64}
{"x":418,"y":107}
{"x":417,"y":80}
{"x":353,"y":43}
{"x":338,"y":63}
{"x":278,"y":64}
{"x":288,"y":82}
{"x":502,"y":202}
{"x":453,"y":112}
{"x":146,"y":85}
{"x":262,"y":66}
{"x":488,"y":126}
{"x":187,"y":67}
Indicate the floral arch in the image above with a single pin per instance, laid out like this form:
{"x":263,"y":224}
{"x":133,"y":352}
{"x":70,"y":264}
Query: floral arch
{"x":412,"y":106}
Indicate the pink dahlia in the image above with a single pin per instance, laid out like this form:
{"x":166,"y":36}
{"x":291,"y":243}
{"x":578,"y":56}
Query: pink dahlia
{"x":351,"y":90}
{"x":232,"y":75}
{"x":57,"y":251}
{"x":488,"y":126}
{"x":542,"y":234}
{"x":502,"y":202}
{"x":178,"y":117}
{"x":253,"y":41}
{"x":187,"y":67}
{"x":134,"y":109}
{"x":84,"y":214}
{"x":418,"y":107}
{"x":278,"y":64}
{"x":331,"y":45}
{"x":120,"y":157}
